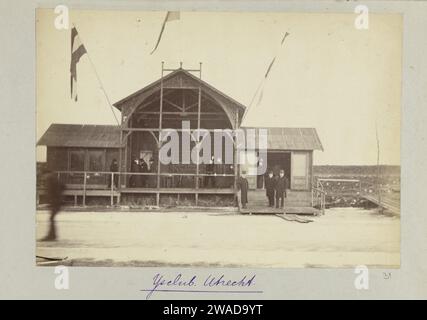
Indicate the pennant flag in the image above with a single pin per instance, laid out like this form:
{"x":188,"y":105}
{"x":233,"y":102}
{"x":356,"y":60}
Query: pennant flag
{"x":269,"y":67}
{"x":77,"y":51}
{"x":274,"y":59}
{"x":170,"y":16}
{"x":260,"y":90}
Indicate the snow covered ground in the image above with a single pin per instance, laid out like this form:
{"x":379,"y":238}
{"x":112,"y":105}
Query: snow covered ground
{"x":340,"y":238}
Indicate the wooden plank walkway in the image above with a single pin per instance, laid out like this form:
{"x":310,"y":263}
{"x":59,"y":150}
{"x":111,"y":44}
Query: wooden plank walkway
{"x":287,"y":210}
{"x":392,"y":205}
{"x":295,"y":203}
{"x":293,"y":218}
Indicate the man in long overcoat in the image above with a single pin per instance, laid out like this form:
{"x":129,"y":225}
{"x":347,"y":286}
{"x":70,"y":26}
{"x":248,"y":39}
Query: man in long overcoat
{"x":269,"y":188}
{"x":243,"y":185}
{"x":281,"y":186}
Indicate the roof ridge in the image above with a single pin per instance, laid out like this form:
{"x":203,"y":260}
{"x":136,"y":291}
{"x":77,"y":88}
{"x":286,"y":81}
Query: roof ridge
{"x":170,"y":75}
{"x":83,"y":124}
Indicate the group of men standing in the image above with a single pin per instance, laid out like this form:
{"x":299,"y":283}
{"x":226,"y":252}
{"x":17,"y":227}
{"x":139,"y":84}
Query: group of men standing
{"x":141,"y":166}
{"x":275,"y":187}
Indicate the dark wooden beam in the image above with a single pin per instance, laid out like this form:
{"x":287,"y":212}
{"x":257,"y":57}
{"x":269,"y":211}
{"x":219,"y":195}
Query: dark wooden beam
{"x":173,"y":104}
{"x":158,"y":130}
{"x":181,"y":113}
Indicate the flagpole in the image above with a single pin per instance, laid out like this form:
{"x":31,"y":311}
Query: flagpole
{"x":99,"y":79}
{"x":265,"y":77}
{"x":252,"y":100}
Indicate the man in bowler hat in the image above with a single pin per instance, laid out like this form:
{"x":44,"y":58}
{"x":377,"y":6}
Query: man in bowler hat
{"x":269,"y":188}
{"x":281,"y":185}
{"x":243,"y":185}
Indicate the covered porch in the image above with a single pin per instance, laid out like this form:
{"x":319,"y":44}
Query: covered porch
{"x":162,"y":125}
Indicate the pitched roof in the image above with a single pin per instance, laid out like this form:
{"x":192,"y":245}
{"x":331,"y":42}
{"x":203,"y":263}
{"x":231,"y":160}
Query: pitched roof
{"x":81,"y":135}
{"x":177,"y":73}
{"x":108,"y":136}
{"x":291,"y":139}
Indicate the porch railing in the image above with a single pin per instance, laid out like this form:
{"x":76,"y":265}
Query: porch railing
{"x":318,"y":196}
{"x":107,"y":183}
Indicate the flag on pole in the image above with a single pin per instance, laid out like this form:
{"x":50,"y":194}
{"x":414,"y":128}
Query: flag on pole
{"x":274,"y":59}
{"x":77,"y":51}
{"x":170,"y":16}
{"x":260,"y":90}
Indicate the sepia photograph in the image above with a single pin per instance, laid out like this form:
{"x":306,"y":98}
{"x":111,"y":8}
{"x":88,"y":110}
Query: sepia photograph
{"x":218,"y":139}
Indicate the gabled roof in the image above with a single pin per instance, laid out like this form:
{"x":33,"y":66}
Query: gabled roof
{"x":81,"y":135}
{"x":291,"y":139}
{"x":108,"y":136}
{"x":180,"y":72}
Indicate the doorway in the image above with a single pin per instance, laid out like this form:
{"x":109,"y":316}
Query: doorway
{"x":276,"y":161}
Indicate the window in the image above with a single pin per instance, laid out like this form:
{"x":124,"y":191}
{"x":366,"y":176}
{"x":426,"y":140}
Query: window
{"x":77,"y":160}
{"x":96,"y":160}
{"x":77,"y":163}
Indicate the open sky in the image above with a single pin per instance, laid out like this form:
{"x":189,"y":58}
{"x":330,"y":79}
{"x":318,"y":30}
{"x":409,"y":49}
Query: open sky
{"x":328,"y":75}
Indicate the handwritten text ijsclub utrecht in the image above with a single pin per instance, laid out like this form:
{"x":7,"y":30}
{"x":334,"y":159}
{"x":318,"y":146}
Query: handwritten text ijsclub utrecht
{"x":179,"y":283}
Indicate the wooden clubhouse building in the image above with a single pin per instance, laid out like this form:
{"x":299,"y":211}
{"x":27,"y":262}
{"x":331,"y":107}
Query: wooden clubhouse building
{"x":81,"y":155}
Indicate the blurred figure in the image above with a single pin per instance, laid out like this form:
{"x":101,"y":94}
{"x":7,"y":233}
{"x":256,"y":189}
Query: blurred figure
{"x":114,"y":167}
{"x":54,"y":198}
{"x":210,"y":169}
{"x":134,"y":179}
{"x":150,"y":169}
{"x":144,"y":168}
{"x":270,"y":188}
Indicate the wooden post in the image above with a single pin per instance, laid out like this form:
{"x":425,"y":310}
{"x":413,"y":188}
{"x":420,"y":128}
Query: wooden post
{"x":312,"y":197}
{"x":199,"y":102}
{"x":84,"y":189}
{"x":159,"y":143}
{"x":112,"y":189}
{"x":236,"y":155}
{"x":323,"y":202}
{"x":126,"y":156}
{"x":236,"y":158}
{"x":378,"y":169}
{"x":119,"y":180}
{"x":360,"y":191}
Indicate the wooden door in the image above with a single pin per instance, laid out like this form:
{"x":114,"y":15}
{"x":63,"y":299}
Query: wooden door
{"x":96,"y":162}
{"x":76,"y":163}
